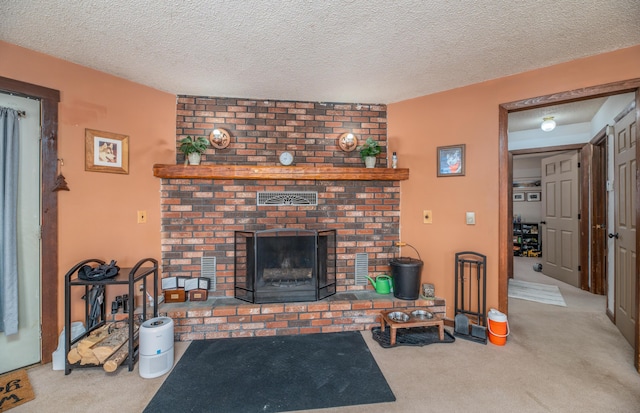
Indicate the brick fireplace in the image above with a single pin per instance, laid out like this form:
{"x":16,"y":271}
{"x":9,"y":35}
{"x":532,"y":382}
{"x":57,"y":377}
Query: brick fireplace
{"x":201,"y":210}
{"x":200,"y":216}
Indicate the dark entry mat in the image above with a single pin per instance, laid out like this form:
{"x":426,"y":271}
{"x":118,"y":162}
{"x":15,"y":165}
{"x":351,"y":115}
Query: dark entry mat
{"x":273,"y":374}
{"x":416,"y":336}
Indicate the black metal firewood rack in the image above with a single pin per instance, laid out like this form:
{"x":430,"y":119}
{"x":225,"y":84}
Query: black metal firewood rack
{"x":126,"y":276}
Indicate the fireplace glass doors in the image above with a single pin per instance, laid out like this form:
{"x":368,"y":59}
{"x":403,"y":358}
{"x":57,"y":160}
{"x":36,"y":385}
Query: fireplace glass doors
{"x":284,"y":265}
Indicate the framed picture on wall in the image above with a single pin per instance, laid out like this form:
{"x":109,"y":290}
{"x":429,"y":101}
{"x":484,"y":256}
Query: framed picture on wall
{"x":533,"y":196}
{"x":106,"y":152}
{"x":451,"y":160}
{"x":518,"y":196}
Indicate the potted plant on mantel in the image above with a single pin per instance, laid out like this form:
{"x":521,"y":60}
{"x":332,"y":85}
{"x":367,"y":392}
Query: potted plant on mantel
{"x":369,"y":151}
{"x":193,"y":148}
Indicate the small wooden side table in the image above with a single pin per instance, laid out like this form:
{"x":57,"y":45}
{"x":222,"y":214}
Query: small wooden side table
{"x":411,"y":322}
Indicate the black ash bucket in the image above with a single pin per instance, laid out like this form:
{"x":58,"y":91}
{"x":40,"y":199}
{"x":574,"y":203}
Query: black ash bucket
{"x":406,"y":274}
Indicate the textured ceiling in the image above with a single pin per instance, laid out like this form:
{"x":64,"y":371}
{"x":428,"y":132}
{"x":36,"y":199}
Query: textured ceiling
{"x":365,"y":51}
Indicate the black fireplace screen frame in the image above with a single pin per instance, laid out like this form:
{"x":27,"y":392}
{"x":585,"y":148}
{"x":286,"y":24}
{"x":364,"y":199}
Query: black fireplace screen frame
{"x":308,"y":277}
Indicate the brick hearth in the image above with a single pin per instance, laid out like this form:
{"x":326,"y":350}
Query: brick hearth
{"x":229,"y":317}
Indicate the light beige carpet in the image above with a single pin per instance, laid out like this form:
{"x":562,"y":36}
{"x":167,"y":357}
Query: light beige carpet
{"x":557,"y":359}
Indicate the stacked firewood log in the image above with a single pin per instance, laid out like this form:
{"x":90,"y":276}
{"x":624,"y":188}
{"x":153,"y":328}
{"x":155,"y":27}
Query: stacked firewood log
{"x":106,"y":346}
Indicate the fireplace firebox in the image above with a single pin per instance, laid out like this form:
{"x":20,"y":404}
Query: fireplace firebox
{"x":284,"y":265}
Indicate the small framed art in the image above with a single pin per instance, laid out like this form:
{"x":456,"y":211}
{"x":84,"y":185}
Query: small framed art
{"x":533,"y":196}
{"x":451,"y":160}
{"x":106,"y":152}
{"x":518,"y":196}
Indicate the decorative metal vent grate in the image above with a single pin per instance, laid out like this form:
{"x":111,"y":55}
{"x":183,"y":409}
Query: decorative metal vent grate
{"x":362,"y":268}
{"x":208,"y":269}
{"x":287,"y":198}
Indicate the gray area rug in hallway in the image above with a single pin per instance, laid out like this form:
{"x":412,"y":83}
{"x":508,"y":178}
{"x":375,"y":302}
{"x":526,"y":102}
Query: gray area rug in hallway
{"x":541,"y":293}
{"x":273,"y":374}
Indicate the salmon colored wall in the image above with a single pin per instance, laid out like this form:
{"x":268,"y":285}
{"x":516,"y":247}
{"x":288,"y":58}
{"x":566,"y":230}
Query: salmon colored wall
{"x":469,"y":115}
{"x":97,"y":217}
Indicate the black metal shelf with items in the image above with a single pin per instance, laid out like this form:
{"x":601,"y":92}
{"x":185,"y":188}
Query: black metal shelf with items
{"x":526,"y":240}
{"x":125,"y":276}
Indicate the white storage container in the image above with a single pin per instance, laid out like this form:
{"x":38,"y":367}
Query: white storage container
{"x":77,"y":329}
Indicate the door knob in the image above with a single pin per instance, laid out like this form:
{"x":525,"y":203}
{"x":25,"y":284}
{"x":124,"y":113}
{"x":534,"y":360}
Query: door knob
{"x":613,"y":235}
{"x":543,"y":222}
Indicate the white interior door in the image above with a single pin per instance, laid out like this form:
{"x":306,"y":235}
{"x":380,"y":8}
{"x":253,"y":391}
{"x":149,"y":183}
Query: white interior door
{"x":560,"y":224}
{"x":625,"y":225}
{"x":22,"y":349}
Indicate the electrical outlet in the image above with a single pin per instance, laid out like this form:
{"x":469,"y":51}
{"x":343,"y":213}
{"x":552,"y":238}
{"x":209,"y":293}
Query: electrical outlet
{"x":142,"y":217}
{"x":427,"y":217}
{"x":471,"y":218}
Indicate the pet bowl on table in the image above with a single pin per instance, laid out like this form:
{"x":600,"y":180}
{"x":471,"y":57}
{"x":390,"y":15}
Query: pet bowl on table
{"x":422,"y":314}
{"x":398,"y":316}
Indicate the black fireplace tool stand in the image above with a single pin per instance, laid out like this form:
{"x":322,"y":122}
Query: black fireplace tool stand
{"x":471,"y":279}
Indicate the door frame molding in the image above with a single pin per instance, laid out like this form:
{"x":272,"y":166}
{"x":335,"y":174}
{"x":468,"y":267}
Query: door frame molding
{"x":49,"y":284}
{"x":597,"y":185}
{"x":505,"y":265}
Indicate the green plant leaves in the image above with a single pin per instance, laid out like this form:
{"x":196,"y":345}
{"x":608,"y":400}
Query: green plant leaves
{"x":370,"y":148}
{"x":192,"y":145}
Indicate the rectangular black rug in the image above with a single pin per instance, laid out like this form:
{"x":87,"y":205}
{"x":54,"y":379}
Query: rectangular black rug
{"x":273,"y":374}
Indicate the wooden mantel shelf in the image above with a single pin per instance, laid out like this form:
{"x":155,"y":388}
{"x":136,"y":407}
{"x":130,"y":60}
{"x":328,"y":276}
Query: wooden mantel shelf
{"x":320,"y":173}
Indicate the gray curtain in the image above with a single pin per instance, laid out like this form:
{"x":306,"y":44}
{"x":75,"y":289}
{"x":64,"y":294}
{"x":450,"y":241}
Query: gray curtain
{"x":9,"y":146}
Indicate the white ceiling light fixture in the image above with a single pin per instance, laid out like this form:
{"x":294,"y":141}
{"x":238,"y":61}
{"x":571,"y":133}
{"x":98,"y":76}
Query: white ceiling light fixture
{"x":548,"y":124}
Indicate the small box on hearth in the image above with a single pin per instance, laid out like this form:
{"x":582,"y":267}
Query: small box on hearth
{"x":175,"y":296}
{"x":198,"y":295}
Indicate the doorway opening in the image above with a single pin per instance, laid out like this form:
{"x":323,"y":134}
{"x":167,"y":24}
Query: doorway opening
{"x":506,"y":176}
{"x":49,"y":99}
{"x":546,"y":207}
{"x":22,"y":347}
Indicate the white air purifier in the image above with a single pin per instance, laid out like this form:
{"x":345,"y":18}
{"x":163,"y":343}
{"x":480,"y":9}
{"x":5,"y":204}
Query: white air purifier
{"x":156,"y":347}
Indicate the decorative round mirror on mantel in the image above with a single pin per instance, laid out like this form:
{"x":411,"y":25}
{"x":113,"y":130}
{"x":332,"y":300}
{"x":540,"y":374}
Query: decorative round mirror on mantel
{"x":219,"y":138}
{"x":348,"y":142}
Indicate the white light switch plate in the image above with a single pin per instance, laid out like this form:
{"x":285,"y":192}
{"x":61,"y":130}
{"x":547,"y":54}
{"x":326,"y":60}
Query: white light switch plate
{"x":471,"y":218}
